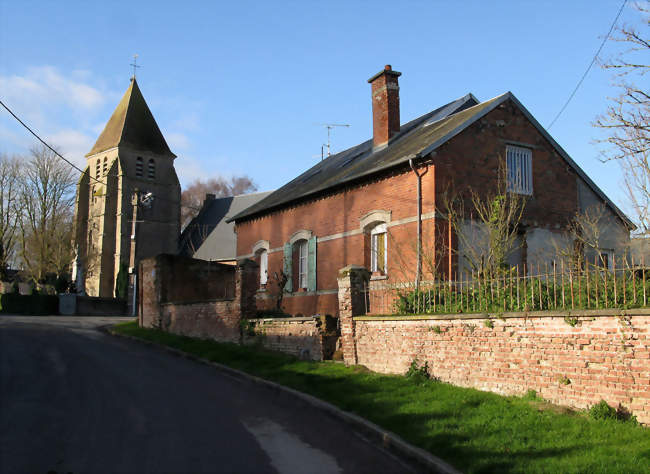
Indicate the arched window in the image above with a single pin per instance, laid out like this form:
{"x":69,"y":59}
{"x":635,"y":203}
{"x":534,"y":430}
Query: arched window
{"x":303,"y":265}
{"x":138,"y":167}
{"x":151,"y":170}
{"x":300,"y":262}
{"x":98,"y":168}
{"x":375,"y":227}
{"x":263,"y":256}
{"x":105,"y":169}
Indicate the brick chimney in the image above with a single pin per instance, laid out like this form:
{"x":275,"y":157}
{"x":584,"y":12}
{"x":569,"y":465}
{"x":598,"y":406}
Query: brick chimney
{"x":385,"y":105}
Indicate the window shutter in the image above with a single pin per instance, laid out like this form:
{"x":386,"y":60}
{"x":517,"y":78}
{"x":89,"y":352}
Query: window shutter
{"x":311,"y":264}
{"x":287,"y":267}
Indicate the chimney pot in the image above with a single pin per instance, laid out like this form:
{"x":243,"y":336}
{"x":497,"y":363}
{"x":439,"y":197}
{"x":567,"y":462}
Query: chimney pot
{"x":385,"y":105}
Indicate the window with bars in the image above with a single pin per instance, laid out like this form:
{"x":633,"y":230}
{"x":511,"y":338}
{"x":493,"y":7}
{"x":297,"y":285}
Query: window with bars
{"x":138,"y":167}
{"x":105,"y":168}
{"x":519,"y":162}
{"x":378,"y":249}
{"x":98,"y":168}
{"x":151,"y":169}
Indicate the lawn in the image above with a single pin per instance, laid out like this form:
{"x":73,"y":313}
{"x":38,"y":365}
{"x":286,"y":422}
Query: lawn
{"x":474,"y":431}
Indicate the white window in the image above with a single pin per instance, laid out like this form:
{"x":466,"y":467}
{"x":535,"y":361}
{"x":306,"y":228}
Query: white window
{"x":378,"y":249}
{"x":520,"y":170}
{"x":138,"y":167}
{"x":264,"y":266}
{"x":302,"y":264}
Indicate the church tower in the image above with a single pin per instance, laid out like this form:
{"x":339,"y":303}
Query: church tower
{"x":130,"y":170}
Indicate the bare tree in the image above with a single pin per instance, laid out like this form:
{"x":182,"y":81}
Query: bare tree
{"x":486,"y":223}
{"x":9,"y":187}
{"x":193,"y":196}
{"x":46,"y":203}
{"x":627,"y":119}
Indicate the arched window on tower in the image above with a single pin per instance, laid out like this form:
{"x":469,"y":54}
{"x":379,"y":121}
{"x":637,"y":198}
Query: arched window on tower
{"x":138,"y":167}
{"x":105,"y":169}
{"x":98,"y":169}
{"x":151,"y":170}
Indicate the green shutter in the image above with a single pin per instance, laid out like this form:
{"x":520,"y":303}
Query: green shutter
{"x":311,"y":264}
{"x":287,"y":267}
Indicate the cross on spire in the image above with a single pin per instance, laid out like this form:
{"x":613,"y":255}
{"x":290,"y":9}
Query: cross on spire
{"x":134,"y":64}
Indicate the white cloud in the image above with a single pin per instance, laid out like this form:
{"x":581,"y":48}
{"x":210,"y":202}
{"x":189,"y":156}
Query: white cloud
{"x":45,"y":87}
{"x":72,"y":144}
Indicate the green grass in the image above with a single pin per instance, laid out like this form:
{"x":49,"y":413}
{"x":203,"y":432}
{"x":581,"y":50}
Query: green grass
{"x":473,"y":430}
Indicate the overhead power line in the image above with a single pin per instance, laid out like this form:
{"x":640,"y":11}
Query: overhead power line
{"x":611,"y":28}
{"x":45,"y":143}
{"x":71,"y":163}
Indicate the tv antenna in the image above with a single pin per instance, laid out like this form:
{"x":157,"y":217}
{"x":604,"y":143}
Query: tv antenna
{"x":329,"y":127}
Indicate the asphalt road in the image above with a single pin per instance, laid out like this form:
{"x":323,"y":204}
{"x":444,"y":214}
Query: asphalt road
{"x":73,"y":399}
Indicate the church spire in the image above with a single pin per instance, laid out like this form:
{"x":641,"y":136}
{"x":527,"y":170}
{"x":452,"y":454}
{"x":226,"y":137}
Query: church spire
{"x":132,"y":124}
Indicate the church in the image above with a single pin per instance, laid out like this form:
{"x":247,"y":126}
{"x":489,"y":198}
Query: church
{"x":128,"y":199}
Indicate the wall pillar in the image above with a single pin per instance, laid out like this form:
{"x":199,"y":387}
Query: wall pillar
{"x":352,"y":280}
{"x":246,"y":287}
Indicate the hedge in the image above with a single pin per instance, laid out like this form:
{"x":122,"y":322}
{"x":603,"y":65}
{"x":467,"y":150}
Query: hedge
{"x":14,"y":303}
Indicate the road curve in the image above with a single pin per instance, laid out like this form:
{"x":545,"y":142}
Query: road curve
{"x":73,"y":399}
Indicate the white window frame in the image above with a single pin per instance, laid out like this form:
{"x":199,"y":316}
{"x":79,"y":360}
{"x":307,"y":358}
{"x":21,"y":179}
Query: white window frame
{"x":377,"y":230}
{"x":519,"y":163}
{"x":264,"y":266}
{"x":303,"y":263}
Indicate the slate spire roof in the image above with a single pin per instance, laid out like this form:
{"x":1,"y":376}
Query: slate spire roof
{"x":132,"y":124}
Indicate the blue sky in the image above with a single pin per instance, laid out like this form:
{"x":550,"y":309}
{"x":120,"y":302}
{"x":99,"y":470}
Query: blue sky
{"x":238,"y":87}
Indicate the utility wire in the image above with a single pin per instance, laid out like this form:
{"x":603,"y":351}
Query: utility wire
{"x":72,"y":164}
{"x":47,"y":145}
{"x":620,"y":10}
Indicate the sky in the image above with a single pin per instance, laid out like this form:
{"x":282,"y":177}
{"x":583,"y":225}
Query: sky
{"x":241,"y":87}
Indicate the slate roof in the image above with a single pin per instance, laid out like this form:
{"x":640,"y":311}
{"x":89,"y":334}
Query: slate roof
{"x":415,"y":139}
{"x":208,"y":236}
{"x":356,"y":162}
{"x":132,"y":123}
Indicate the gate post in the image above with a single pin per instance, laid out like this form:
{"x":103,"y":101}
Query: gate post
{"x":351,"y":280}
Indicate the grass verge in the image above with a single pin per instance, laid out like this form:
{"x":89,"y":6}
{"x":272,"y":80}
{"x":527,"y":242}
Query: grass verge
{"x":473,"y":430}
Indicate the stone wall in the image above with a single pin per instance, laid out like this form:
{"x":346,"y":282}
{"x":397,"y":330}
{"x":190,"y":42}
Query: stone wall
{"x":196,"y":298}
{"x":573,"y":359}
{"x":312,"y":338}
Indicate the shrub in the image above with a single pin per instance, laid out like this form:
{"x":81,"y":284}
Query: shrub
{"x":418,"y":373}
{"x":602,"y":411}
{"x":122,"y":282}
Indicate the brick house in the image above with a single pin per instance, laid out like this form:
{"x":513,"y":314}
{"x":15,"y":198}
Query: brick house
{"x":362,"y":206}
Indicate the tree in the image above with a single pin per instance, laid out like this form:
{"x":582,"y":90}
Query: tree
{"x":46,"y":206}
{"x":627,"y":119}
{"x":193,"y":196}
{"x":488,"y":233}
{"x":9,"y":187}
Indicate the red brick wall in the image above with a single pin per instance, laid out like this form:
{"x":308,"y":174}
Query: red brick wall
{"x":603,"y":357}
{"x":205,"y":317}
{"x":335,"y":214}
{"x":218,"y":320}
{"x":471,"y":160}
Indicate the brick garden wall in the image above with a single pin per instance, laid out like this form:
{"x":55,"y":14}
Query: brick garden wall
{"x":605,"y":356}
{"x":196,"y":298}
{"x":217,"y":319}
{"x":309,"y":338}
